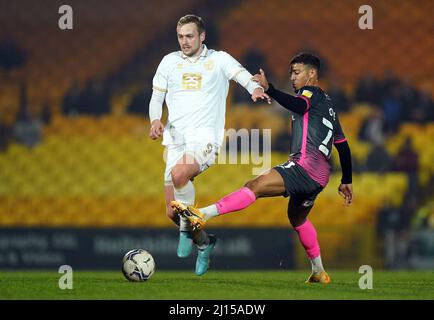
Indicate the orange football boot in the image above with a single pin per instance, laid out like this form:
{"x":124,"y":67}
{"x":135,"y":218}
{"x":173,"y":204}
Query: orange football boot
{"x":321,"y":277}
{"x":192,"y":214}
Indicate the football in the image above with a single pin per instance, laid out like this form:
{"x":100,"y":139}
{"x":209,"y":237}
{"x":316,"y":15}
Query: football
{"x":138,"y":265}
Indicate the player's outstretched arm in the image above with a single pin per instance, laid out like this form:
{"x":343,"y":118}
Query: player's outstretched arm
{"x":244,"y":78}
{"x":261,"y":78}
{"x":259,"y":93}
{"x":295,"y":104}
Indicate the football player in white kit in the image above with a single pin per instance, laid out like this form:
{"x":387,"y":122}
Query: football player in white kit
{"x":194,"y":82}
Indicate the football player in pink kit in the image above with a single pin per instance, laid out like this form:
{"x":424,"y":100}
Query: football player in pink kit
{"x":315,"y":129}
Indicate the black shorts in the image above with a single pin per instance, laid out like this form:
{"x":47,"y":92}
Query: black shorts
{"x":302,"y":189}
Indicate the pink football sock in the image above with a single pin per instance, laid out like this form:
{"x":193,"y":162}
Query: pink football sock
{"x":235,"y":201}
{"x":308,"y":238}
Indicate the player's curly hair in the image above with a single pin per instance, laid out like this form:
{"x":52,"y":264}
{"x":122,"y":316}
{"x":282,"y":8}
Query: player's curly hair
{"x":307,"y":58}
{"x":192,"y":18}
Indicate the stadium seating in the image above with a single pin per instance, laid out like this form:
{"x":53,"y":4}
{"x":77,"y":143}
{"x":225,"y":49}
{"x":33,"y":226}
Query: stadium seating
{"x":97,"y":171}
{"x":92,"y":50}
{"x":294,"y":29}
{"x":106,"y":172}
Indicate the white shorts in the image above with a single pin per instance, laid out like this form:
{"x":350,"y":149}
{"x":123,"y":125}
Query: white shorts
{"x":205,"y":154}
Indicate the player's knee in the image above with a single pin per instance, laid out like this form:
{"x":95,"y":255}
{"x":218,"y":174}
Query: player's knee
{"x":254,"y":186}
{"x":296,"y":221}
{"x":179,"y":178}
{"x":297,"y":215}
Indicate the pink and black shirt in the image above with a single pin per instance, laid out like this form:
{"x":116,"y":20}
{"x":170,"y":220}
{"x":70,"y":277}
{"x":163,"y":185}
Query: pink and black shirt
{"x":315,"y":129}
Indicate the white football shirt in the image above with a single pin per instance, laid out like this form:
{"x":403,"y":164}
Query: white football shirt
{"x":196,"y":93}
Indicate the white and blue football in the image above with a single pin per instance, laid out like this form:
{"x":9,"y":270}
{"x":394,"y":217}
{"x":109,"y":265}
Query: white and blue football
{"x":138,"y":265}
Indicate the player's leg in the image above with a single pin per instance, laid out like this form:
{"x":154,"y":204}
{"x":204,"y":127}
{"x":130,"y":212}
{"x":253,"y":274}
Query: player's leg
{"x":269,"y":184}
{"x":169,"y":197}
{"x":186,"y":169}
{"x":185,"y":243}
{"x":184,"y":192}
{"x":298,"y":210}
{"x":205,"y":154}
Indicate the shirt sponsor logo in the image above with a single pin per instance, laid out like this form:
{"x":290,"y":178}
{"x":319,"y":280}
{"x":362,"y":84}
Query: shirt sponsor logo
{"x":307,"y":203}
{"x":307,"y":93}
{"x":191,"y":81}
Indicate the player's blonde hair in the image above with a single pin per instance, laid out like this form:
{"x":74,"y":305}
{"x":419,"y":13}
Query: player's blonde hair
{"x":192,"y":18}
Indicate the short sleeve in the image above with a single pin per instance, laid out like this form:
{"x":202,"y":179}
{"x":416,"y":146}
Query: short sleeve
{"x":160,"y":80}
{"x":230,"y":66}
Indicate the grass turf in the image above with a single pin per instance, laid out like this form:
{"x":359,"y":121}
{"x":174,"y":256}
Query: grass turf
{"x":225,"y":285}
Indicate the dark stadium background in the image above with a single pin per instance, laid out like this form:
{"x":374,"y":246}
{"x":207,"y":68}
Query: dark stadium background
{"x":81,"y":183}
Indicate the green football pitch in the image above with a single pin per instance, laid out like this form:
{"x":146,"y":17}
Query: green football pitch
{"x":225,"y":285}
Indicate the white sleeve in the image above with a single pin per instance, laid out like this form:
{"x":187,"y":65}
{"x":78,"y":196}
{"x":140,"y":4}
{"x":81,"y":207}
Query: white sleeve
{"x":156,"y":105}
{"x":235,"y":71}
{"x":244,"y":78}
{"x":160,"y":80}
{"x":159,"y":89}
